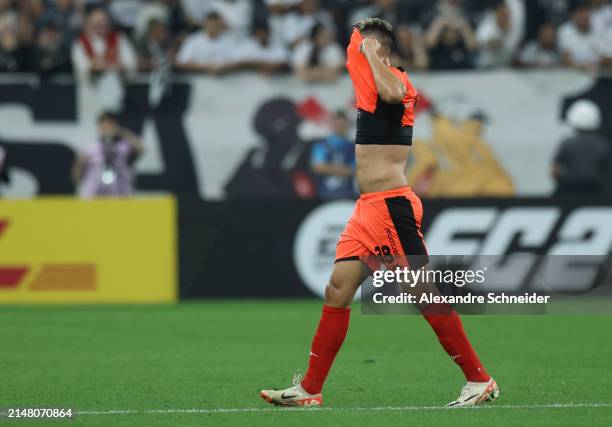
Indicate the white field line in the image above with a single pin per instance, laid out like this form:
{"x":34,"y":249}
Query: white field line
{"x":329,"y":409}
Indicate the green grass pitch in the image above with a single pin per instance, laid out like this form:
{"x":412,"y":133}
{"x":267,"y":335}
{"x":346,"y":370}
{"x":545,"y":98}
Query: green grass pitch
{"x":151,"y":362}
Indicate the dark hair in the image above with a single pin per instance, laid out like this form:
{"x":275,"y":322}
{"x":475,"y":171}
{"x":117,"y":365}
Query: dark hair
{"x":377,"y":26}
{"x":544,"y":24}
{"x":93,"y":8}
{"x":316,"y":29}
{"x":315,"y":54}
{"x":213,"y":15}
{"x":577,"y":5}
{"x":50,"y":25}
{"x":107,"y":116}
{"x":260,"y":25}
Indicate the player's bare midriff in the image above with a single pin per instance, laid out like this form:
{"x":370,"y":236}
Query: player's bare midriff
{"x":381,"y":167}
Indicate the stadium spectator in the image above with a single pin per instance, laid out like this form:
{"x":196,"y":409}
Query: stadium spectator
{"x":195,"y":11}
{"x":605,"y":52}
{"x":103,"y":56}
{"x":52,"y":50}
{"x":211,"y":50}
{"x":124,"y":13}
{"x":333,"y":161}
{"x":451,"y":42}
{"x":236,"y":13}
{"x":260,"y":52}
{"x":176,"y":18}
{"x":410,"y":51}
{"x":66,"y":15}
{"x":13,"y":57}
{"x":170,"y":12}
{"x":33,"y":9}
{"x":582,"y":163}
{"x":156,"y":49}
{"x":389,"y":10}
{"x":446,"y":8}
{"x":549,"y":10}
{"x":502,"y":24}
{"x":320,"y":58}
{"x":295,"y":25}
{"x":106,"y":168}
{"x":500,"y":34}
{"x":8,"y":11}
{"x":578,"y":40}
{"x":100,"y":49}
{"x":156,"y":54}
{"x":155,"y":11}
{"x":601,"y":15}
{"x":543,"y":52}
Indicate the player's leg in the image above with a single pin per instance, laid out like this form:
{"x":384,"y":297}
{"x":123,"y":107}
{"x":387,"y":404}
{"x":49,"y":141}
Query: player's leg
{"x":339,"y":293}
{"x":405,"y":213}
{"x":345,"y":280}
{"x":447,"y":326}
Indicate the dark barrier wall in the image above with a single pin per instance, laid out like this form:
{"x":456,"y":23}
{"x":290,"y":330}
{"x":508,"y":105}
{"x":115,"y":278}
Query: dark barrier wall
{"x":279,"y":249}
{"x":239,"y":248}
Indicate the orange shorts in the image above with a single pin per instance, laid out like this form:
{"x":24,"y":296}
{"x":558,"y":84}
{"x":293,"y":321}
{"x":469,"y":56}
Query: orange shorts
{"x":385,"y":225}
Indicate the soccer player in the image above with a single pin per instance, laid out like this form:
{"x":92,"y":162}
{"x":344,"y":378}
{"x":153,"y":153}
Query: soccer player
{"x":386,"y":220}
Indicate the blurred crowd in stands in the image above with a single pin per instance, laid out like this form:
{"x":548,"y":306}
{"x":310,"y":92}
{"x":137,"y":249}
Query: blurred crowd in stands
{"x":307,"y":37}
{"x":103,"y":42}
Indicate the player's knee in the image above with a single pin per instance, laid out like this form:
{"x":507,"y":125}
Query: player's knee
{"x":336,"y":295}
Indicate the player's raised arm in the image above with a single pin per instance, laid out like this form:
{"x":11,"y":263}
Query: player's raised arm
{"x":390,"y":89}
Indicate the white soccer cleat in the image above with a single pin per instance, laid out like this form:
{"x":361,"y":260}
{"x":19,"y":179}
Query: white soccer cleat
{"x":292,"y":396}
{"x":473,"y":394}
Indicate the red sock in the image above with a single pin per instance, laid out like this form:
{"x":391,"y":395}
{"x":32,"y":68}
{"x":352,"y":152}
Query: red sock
{"x":448,"y":327}
{"x":325,"y":345}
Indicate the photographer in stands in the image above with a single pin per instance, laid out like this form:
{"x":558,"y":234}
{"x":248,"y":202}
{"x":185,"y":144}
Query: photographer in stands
{"x":106,"y":168}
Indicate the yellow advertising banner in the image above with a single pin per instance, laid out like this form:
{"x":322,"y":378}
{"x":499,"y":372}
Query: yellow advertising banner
{"x":63,"y":250}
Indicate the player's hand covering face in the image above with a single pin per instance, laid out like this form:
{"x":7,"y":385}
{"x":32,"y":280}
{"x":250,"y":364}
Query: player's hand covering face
{"x":371,"y":46}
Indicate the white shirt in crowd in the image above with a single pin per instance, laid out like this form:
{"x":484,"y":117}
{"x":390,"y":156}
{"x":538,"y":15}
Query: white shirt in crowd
{"x":534,"y":55}
{"x":291,"y":27}
{"x":153,"y":11}
{"x":489,"y":31}
{"x":237,"y":14}
{"x":252,"y":51}
{"x":82,"y":63}
{"x":126,"y":12}
{"x":601,"y":18}
{"x":604,"y":43}
{"x":331,"y":55}
{"x":582,"y":47}
{"x":200,"y":49}
{"x":196,"y":10}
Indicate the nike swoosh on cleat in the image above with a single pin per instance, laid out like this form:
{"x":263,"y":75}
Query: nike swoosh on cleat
{"x":287,"y":397}
{"x":470,"y":398}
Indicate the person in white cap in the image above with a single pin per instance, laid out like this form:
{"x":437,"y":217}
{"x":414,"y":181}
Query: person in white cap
{"x":583,"y":161}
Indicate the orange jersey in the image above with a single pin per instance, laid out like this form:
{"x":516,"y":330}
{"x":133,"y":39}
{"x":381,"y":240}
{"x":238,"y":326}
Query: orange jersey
{"x":364,"y":84}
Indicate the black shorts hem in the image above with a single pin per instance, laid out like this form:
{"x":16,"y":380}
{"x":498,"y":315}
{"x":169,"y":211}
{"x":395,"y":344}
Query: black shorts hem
{"x":350,"y":258}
